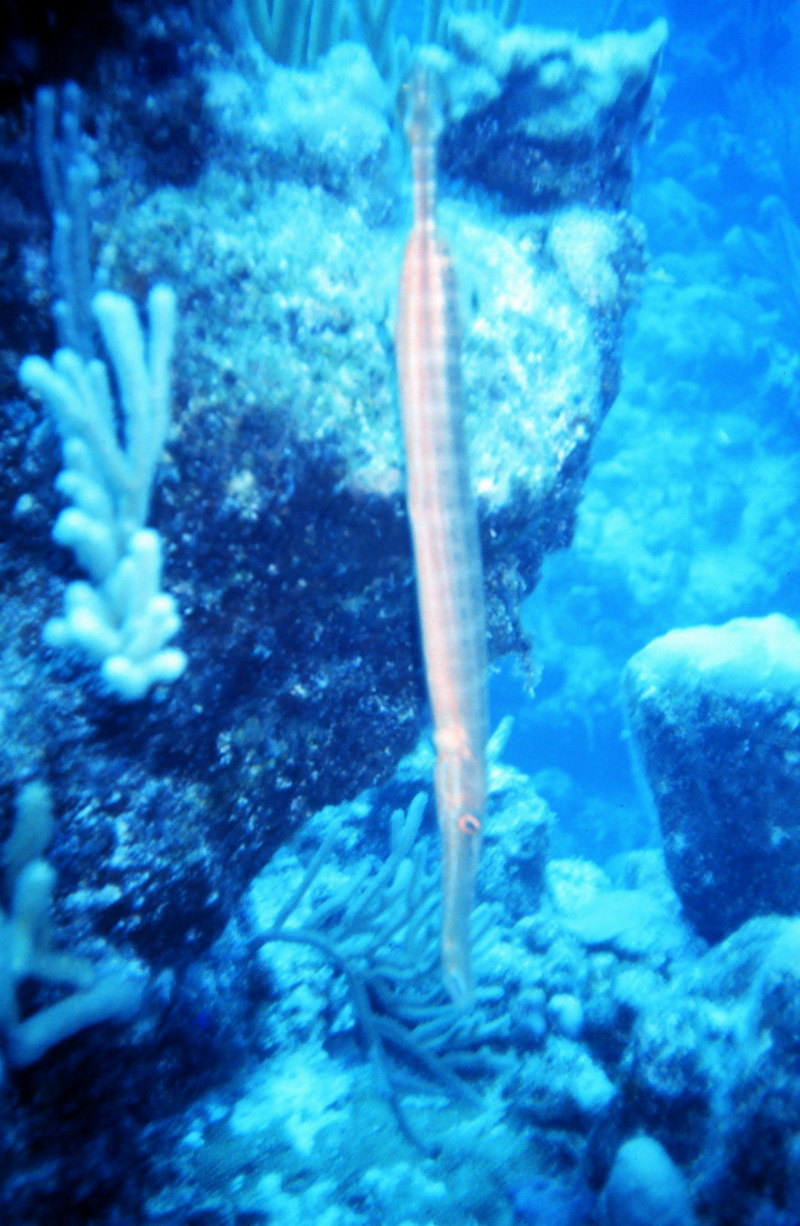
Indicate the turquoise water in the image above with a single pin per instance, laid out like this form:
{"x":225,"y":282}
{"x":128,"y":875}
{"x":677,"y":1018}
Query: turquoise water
{"x":220,"y":997}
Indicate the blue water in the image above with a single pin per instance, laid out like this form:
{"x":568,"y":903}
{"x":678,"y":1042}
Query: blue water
{"x":716,"y":359}
{"x":267,"y":1046}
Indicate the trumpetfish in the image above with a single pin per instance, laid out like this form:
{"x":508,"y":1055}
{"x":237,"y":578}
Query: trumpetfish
{"x":444,"y":529}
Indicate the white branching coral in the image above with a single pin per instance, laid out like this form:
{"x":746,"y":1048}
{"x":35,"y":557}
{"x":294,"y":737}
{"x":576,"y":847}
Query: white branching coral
{"x":121,"y":618}
{"x":92,"y":996}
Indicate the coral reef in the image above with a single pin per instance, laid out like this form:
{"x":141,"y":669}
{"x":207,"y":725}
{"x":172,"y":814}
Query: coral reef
{"x":280,"y":494}
{"x":613,"y":1063}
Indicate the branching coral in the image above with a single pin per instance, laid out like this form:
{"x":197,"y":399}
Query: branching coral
{"x":379,"y":932}
{"x":298,"y":32}
{"x":25,"y":953}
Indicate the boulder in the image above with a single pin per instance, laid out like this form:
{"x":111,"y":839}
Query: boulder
{"x":714,"y":715}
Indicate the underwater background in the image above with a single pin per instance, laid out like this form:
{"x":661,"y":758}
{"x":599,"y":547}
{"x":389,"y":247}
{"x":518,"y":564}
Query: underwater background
{"x":220,"y":998}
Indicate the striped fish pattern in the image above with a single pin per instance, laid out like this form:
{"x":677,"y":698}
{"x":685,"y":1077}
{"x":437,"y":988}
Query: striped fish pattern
{"x":445,"y":535}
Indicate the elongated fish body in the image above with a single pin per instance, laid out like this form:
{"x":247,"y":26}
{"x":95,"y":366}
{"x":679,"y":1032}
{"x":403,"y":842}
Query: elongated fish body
{"x":445,"y":536}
